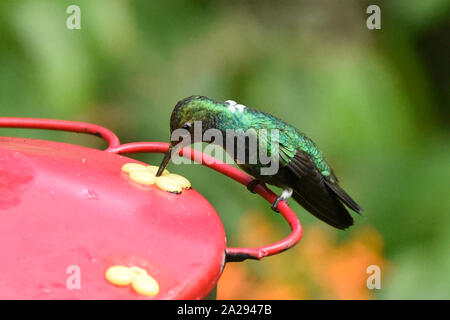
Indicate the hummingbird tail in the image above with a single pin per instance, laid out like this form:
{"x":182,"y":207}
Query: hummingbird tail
{"x":333,"y":212}
{"x":323,"y":199}
{"x":344,"y":197}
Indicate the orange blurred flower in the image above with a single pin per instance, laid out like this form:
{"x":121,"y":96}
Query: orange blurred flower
{"x":318,"y":268}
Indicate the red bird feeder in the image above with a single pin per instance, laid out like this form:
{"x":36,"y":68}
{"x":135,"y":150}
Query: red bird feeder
{"x":68,"y":214}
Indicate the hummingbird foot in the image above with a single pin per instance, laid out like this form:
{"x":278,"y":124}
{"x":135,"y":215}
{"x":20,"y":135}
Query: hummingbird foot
{"x":251,"y":185}
{"x":286,"y":194}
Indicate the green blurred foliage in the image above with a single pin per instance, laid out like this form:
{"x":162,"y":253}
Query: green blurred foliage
{"x":376,"y":102}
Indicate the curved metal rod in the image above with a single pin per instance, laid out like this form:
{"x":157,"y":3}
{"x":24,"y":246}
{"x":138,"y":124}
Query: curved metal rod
{"x":232,"y":254}
{"x":64,"y":125}
{"x":114,"y":146}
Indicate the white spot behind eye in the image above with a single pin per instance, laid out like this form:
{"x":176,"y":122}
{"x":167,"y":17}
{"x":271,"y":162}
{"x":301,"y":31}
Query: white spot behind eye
{"x":233,"y":105}
{"x":240,"y":107}
{"x":231,"y":102}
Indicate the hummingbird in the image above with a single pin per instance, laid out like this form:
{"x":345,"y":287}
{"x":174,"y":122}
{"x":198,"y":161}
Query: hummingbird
{"x":303,"y":173}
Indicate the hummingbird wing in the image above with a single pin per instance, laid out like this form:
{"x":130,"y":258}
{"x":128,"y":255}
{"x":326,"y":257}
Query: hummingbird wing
{"x":317,"y":195}
{"x":342,"y":195}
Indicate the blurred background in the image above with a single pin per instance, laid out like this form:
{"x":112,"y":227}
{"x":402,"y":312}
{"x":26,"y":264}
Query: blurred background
{"x":375,"y":101}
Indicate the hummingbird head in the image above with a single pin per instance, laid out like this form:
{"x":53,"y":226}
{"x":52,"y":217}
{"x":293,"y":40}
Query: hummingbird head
{"x":191,"y":109}
{"x":184,"y":115}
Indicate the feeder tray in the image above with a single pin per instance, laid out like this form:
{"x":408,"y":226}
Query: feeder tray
{"x":69,"y":213}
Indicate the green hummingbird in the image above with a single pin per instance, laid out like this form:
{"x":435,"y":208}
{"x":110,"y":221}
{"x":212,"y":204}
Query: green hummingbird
{"x":302,"y":171}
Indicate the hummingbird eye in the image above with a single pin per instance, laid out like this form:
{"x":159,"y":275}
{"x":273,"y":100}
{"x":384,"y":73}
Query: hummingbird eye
{"x":187,"y":126}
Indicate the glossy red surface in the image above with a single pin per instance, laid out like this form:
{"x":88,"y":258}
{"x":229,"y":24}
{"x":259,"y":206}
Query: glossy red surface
{"x":63,"y":205}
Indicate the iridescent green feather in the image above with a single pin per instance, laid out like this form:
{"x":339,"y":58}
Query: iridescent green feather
{"x":219,"y":115}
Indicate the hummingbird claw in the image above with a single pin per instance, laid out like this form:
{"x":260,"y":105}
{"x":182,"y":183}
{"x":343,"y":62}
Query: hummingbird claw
{"x":286,"y":194}
{"x":251,"y":185}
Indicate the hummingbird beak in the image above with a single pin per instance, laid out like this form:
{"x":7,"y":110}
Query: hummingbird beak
{"x":165,"y":161}
{"x":174,"y":149}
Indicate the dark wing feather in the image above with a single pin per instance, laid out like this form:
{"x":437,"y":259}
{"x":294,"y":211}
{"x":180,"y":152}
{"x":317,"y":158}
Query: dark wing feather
{"x":313,"y":192}
{"x":343,"y":196}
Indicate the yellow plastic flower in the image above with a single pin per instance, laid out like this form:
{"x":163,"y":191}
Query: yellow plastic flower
{"x":146,"y":175}
{"x":140,"y":280}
